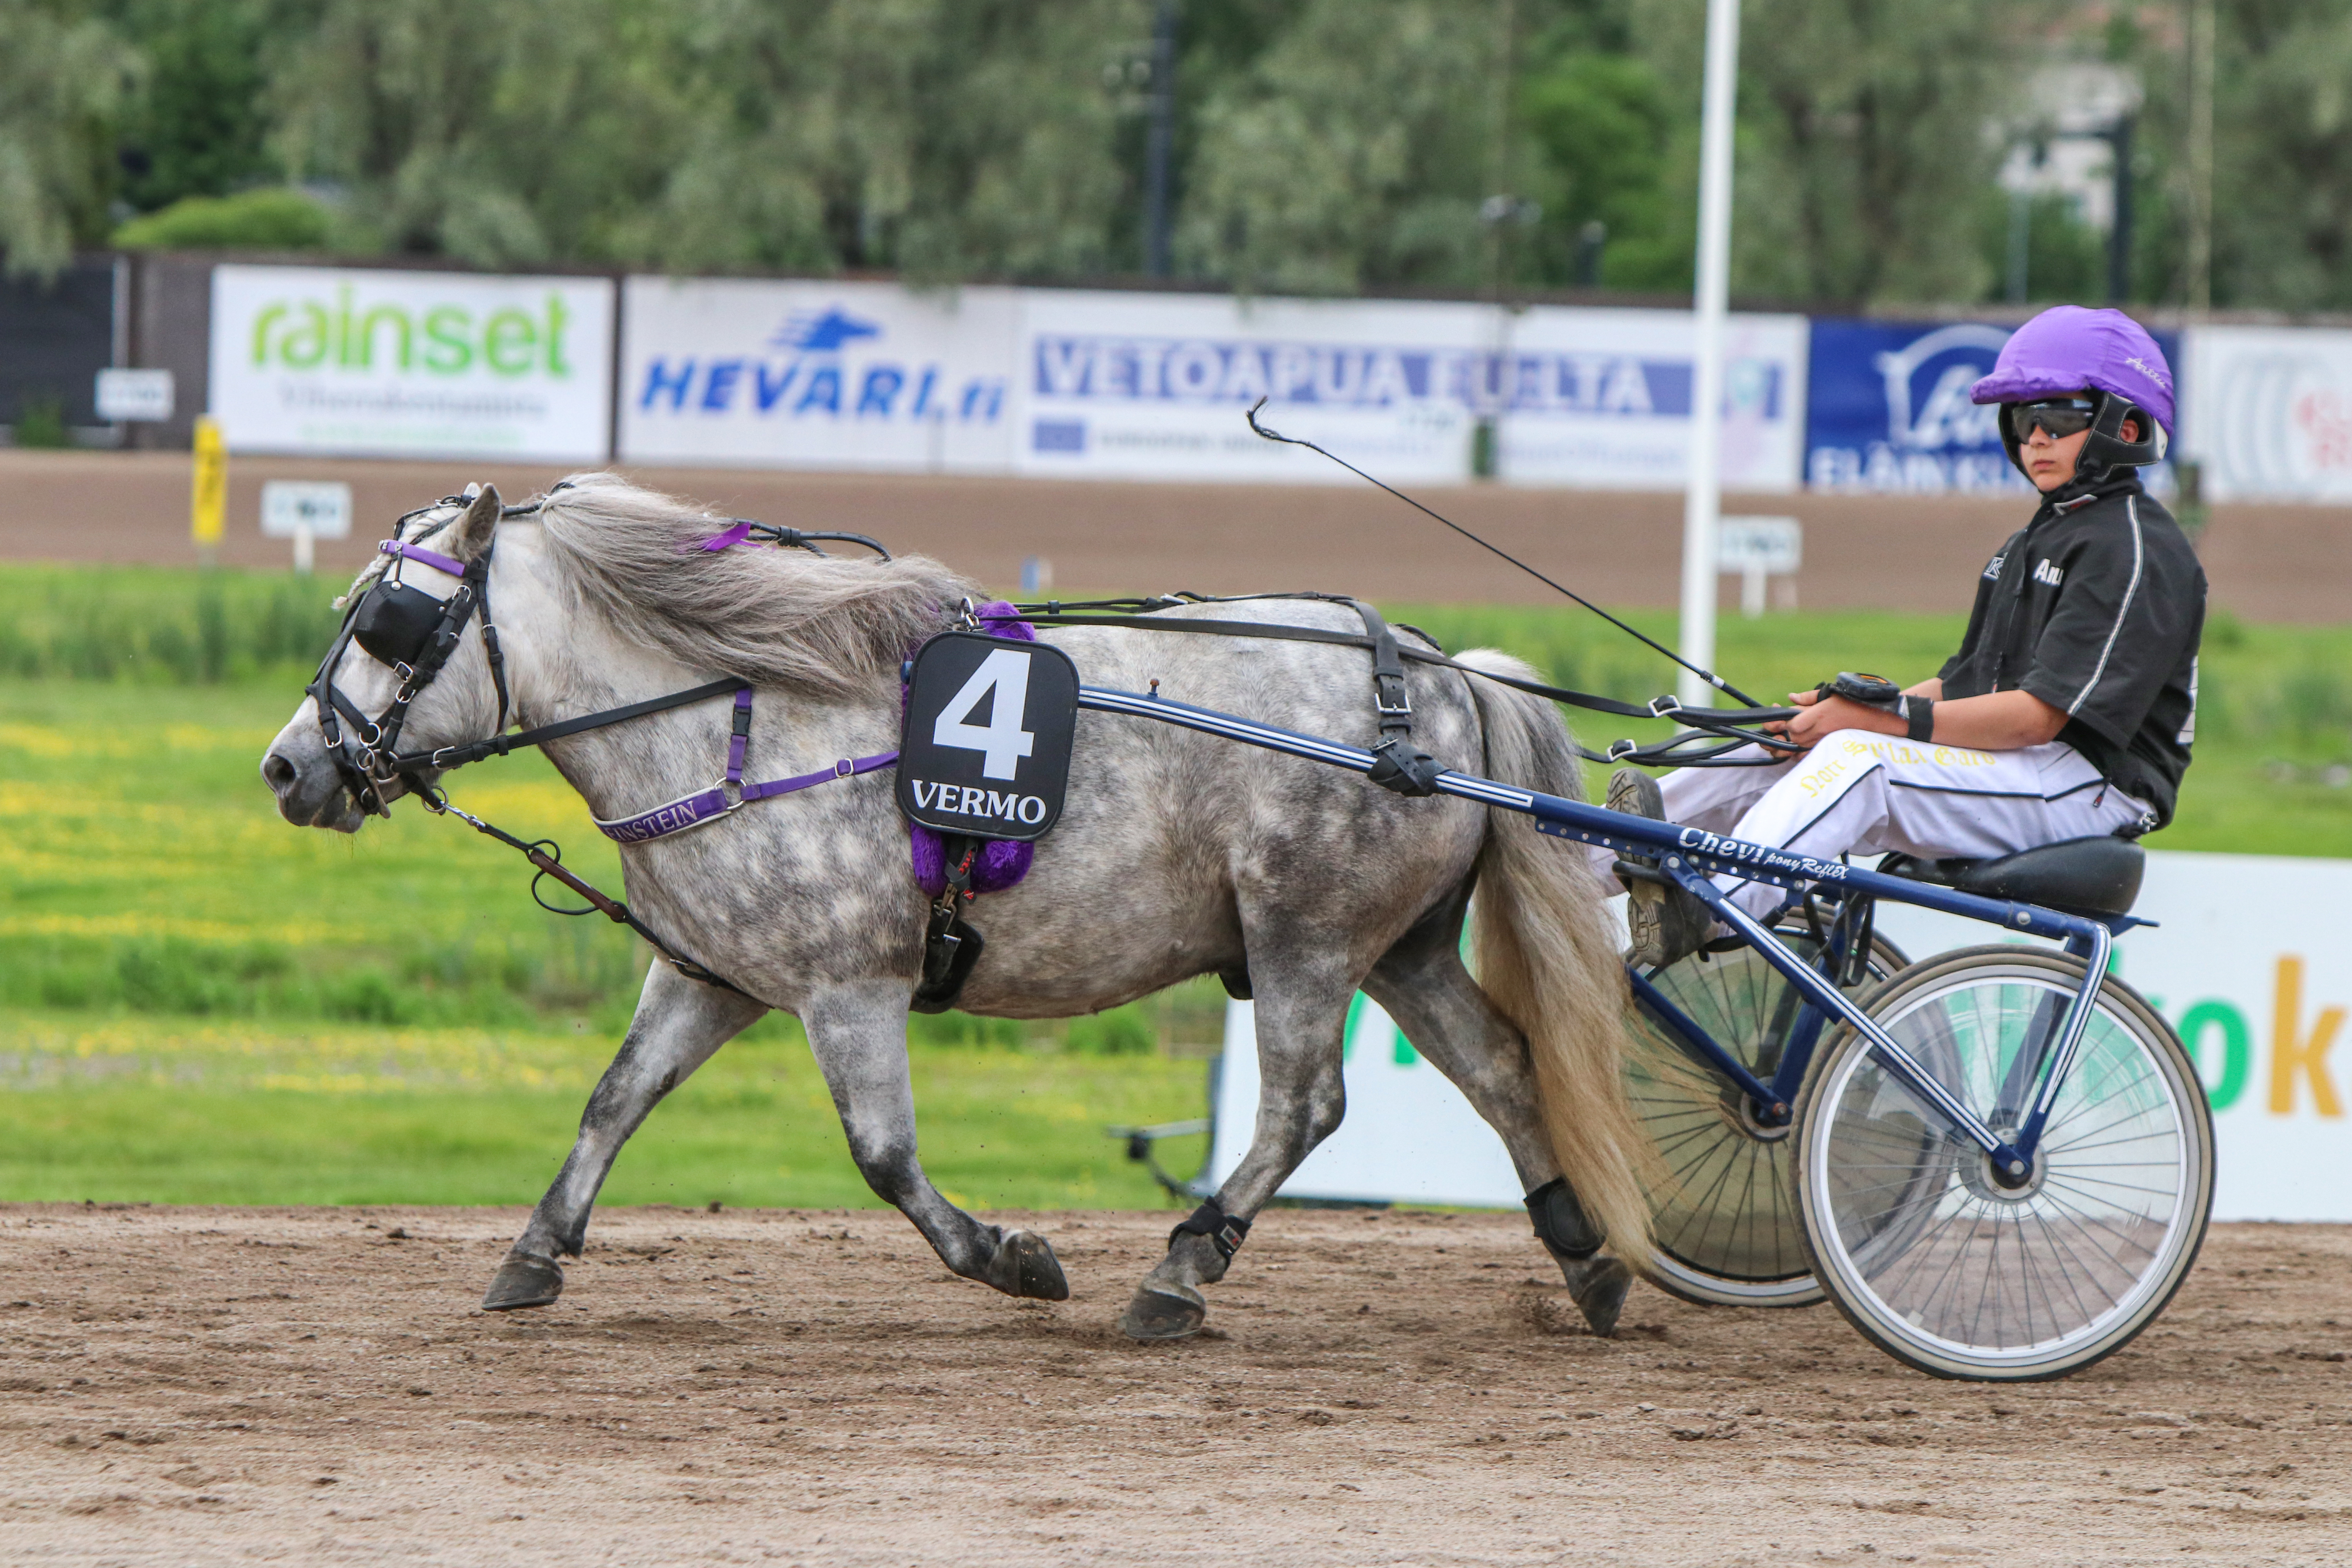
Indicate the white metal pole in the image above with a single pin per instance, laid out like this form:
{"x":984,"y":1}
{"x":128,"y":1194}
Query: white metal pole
{"x":1703,"y":500}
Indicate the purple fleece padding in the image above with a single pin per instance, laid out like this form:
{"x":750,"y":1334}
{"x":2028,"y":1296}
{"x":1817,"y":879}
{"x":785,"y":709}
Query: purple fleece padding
{"x":2070,"y":347}
{"x":1002,"y":863}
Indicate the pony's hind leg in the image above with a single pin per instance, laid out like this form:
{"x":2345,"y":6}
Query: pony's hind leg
{"x":1301,"y":1008}
{"x":858,"y":1034}
{"x":679,"y":1023}
{"x":1423,"y":985}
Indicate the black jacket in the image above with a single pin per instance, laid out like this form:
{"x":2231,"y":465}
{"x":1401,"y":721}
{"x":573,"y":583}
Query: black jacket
{"x":2096,"y":607}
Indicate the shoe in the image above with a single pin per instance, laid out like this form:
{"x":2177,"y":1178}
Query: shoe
{"x":1666,"y":923}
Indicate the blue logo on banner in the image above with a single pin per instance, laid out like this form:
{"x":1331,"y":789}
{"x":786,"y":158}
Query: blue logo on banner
{"x":1887,"y":408}
{"x":823,"y":333}
{"x":812,"y":375}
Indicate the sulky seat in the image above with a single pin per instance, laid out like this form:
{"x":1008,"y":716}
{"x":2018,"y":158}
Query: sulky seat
{"x":2081,"y":876}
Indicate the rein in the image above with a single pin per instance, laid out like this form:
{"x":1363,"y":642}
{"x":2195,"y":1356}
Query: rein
{"x":1724,"y":727}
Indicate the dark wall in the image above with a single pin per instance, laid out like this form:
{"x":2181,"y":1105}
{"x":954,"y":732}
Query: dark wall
{"x":54,"y":340}
{"x":171,"y":329}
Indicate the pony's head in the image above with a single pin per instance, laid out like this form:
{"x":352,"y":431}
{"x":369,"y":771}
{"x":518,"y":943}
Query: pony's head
{"x":408,"y":671}
{"x":610,"y":594}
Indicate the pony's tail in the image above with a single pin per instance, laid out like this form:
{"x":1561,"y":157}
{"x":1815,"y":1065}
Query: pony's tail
{"x":1547,"y":957}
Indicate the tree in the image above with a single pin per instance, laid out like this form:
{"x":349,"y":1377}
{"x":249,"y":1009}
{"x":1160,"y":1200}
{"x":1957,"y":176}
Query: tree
{"x":201,"y":126}
{"x":65,"y":76}
{"x":1601,"y":126}
{"x":1862,"y":147}
{"x":2283,"y":154}
{"x":1355,"y":148}
{"x":518,"y":134}
{"x":944,"y":138}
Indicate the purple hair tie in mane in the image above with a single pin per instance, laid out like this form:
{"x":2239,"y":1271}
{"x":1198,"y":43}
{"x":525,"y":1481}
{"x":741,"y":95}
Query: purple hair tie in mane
{"x":735,"y":535}
{"x":1002,"y":863}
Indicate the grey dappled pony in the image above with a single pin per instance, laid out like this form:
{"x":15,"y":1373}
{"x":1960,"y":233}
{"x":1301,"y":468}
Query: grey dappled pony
{"x":1178,"y":855}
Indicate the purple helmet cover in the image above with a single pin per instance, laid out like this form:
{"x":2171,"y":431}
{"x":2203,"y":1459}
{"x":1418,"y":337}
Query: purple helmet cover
{"x":2070,"y":347}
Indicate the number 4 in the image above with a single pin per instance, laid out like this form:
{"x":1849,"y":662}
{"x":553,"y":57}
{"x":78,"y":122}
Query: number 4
{"x":1003,"y":741}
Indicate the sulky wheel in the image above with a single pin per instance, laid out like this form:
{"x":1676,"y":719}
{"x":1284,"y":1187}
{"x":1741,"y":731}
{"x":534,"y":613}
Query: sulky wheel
{"x":1947,"y":1268}
{"x":1726,"y":1232}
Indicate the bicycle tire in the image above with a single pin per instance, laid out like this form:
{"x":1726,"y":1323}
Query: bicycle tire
{"x":1930,"y":1258}
{"x":1723,"y":1234}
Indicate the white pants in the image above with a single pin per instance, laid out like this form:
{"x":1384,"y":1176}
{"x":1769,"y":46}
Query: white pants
{"x":1866,"y":793}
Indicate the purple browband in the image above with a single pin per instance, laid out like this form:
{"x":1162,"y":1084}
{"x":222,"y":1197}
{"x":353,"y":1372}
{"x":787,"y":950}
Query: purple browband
{"x":438,"y":561}
{"x":710,"y":805}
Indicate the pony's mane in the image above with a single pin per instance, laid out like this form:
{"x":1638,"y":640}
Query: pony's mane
{"x":788,"y":617}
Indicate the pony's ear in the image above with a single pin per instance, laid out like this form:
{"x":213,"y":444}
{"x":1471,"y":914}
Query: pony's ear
{"x":474,"y":530}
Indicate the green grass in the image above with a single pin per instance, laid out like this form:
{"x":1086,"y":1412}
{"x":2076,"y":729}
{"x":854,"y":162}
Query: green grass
{"x":180,"y":1110}
{"x":198,"y":1003}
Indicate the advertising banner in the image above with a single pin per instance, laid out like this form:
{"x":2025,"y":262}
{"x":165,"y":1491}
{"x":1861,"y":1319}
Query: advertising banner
{"x":1154,"y":386}
{"x":1118,"y":385}
{"x":2260,"y":1003}
{"x":1601,"y":399}
{"x":339,"y":361}
{"x":816,"y":375}
{"x":2268,"y":410}
{"x":1887,"y":409}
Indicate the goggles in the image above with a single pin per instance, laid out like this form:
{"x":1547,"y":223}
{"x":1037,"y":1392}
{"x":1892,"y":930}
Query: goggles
{"x":2059,"y":417}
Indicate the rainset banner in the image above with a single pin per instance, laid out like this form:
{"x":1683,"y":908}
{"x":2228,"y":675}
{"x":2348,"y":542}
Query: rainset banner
{"x":1116,"y":385}
{"x":412,"y":365}
{"x":816,"y":376}
{"x":2269,"y":410}
{"x":1888,"y":409}
{"x":2261,"y":1004}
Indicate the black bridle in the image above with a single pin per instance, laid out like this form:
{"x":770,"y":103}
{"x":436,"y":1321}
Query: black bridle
{"x":413,"y":633}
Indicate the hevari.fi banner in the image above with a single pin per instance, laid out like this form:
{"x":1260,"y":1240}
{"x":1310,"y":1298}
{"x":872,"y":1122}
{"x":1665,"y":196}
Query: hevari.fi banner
{"x":2269,"y":412}
{"x":816,"y":376}
{"x":1118,"y":385}
{"x":342,"y":360}
{"x":2251,"y":964}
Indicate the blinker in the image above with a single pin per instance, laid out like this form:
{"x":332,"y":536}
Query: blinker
{"x":395,"y":622}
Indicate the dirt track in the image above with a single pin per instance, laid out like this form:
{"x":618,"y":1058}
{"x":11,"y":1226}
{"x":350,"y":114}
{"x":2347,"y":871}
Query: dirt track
{"x":1897,"y":552}
{"x":316,"y":1386}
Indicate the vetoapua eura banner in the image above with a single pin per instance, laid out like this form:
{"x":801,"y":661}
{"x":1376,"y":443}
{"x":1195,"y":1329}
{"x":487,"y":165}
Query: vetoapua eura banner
{"x":1102,"y":384}
{"x":2252,"y":964}
{"x":366,"y":363}
{"x":1118,"y":385}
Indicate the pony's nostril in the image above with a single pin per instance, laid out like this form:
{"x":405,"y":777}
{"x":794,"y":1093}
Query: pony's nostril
{"x":277,"y":772}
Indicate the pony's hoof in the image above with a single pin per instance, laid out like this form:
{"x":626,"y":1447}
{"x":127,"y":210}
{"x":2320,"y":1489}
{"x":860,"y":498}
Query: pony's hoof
{"x":1164,"y":1313}
{"x":523,"y":1282}
{"x":1024,"y":1265}
{"x":1598,"y":1287}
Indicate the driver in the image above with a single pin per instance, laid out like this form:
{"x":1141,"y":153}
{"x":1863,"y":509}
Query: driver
{"x":2067,"y":712}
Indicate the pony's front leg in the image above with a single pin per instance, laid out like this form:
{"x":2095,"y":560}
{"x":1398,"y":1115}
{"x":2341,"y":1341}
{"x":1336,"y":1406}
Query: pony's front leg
{"x":679,"y":1023}
{"x":858,"y":1033}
